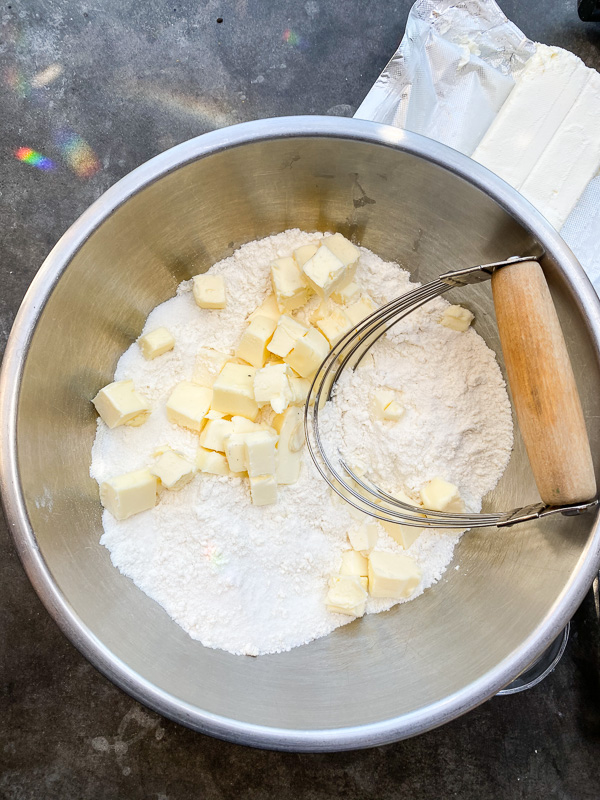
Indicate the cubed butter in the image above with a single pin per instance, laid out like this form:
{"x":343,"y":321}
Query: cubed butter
{"x":290,"y":427}
{"x":346,"y":294}
{"x":286,"y":334}
{"x":347,"y":252}
{"x":235,"y":452}
{"x":308,"y":353}
{"x":404,"y":535}
{"x":272,"y":385}
{"x":300,"y":388}
{"x":360,"y":310}
{"x":209,"y":291}
{"x":334,"y":325}
{"x":289,"y":284}
{"x":392,"y":575}
{"x":363,"y":537}
{"x":386,"y":405}
{"x":120,"y":404}
{"x":354,"y":563}
{"x":233,"y":391}
{"x":156,"y":343}
{"x":263,"y":490}
{"x":253,"y":344}
{"x":173,"y":470}
{"x":214,"y":415}
{"x":215,"y":434}
{"x":207,"y":366}
{"x":325,"y":272}
{"x":457,"y":318}
{"x":302,"y":254}
{"x":439,"y":495}
{"x":268,"y":308}
{"x":212,"y":462}
{"x":244,"y":425}
{"x":346,"y":595}
{"x":128,"y":494}
{"x":188,"y":404}
{"x":260,"y":453}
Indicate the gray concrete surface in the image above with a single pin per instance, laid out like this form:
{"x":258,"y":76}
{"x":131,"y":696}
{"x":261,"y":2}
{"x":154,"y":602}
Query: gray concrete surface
{"x":129,"y":80}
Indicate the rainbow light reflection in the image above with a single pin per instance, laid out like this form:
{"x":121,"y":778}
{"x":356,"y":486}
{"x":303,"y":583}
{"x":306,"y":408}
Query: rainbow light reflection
{"x":79,"y":155}
{"x":35,"y":159}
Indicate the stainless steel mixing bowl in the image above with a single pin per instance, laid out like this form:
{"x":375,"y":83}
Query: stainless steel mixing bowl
{"x":407,"y":198}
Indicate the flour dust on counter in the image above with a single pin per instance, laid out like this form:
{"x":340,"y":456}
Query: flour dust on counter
{"x":254,"y":579}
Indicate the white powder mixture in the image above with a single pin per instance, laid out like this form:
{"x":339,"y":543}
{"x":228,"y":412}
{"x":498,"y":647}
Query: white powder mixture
{"x":253,"y":580}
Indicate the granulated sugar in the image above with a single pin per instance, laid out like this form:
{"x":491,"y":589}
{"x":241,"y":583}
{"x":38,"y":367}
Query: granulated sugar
{"x":253,"y":580}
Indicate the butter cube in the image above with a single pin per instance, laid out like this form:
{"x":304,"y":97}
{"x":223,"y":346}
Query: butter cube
{"x":334,"y":325}
{"x":346,"y":595}
{"x":286,"y":334}
{"x":363,"y":537}
{"x":386,"y":406}
{"x":268,"y":308}
{"x":439,"y":495}
{"x":233,"y":391}
{"x":289,"y":284}
{"x":260,"y":453}
{"x":129,"y":494}
{"x":290,"y":427}
{"x":357,"y":312}
{"x":214,"y":415}
{"x":324,"y":308}
{"x":263,"y":490}
{"x":346,"y":294}
{"x":188,"y":404}
{"x":347,"y":252}
{"x":208,"y":364}
{"x":353,"y":563}
{"x":404,"y":535}
{"x":392,"y":575}
{"x":173,"y":470}
{"x":457,"y":318}
{"x":302,"y":254}
{"x":215,"y":434}
{"x":253,"y":344}
{"x":325,"y":272}
{"x":211,"y":462}
{"x":156,"y":343}
{"x":308,"y":353}
{"x":244,"y":425}
{"x":272,"y":385}
{"x":209,"y":291}
{"x":235,"y":452}
{"x":300,"y":388}
{"x":120,"y":404}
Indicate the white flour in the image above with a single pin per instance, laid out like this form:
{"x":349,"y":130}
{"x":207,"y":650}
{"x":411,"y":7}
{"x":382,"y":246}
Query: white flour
{"x":253,"y":580}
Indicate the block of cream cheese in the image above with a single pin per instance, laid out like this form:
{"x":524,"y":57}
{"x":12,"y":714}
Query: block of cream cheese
{"x":290,"y":427}
{"x":260,"y":453}
{"x":188,"y":404}
{"x":308,"y":353}
{"x":302,"y":254}
{"x":268,"y":308}
{"x":354,"y":563}
{"x":325,"y":272}
{"x":457,"y":318}
{"x":287,"y":333}
{"x":363,"y":536}
{"x":207,"y":366}
{"x":129,"y":494}
{"x":215,"y":434}
{"x":263,"y":490}
{"x":156,"y":343}
{"x":570,"y":160}
{"x":346,"y":595}
{"x":253,"y":344}
{"x":392,"y":575}
{"x":439,"y":495}
{"x":120,"y":404}
{"x":233,"y":391}
{"x":272,"y":385}
{"x":173,"y":470}
{"x":544,"y":93}
{"x":212,"y":462}
{"x":289,"y":284}
{"x":209,"y":291}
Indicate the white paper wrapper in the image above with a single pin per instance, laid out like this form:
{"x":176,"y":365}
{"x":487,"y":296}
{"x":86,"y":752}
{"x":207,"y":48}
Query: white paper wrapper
{"x":454,"y":68}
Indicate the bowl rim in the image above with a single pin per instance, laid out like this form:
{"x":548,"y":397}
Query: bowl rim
{"x":55,"y":264}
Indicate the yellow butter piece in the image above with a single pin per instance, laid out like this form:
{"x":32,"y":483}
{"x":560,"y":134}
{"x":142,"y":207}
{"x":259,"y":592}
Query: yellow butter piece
{"x":363,"y":537}
{"x":386,"y":405}
{"x":457,"y":318}
{"x":341,"y":247}
{"x":290,"y":427}
{"x":308,"y":353}
{"x":334,"y":325}
{"x":235,"y":452}
{"x":209,"y":291}
{"x":156,"y":343}
{"x":360,"y":310}
{"x":346,"y":294}
{"x":325,"y":272}
{"x":263,"y":490}
{"x":212,"y":462}
{"x":233,"y":391}
{"x":354,"y":563}
{"x":346,"y":595}
{"x":302,"y":254}
{"x":208,"y":364}
{"x":128,"y":494}
{"x":272,"y":386}
{"x":120,"y":404}
{"x":439,"y":495}
{"x":253,"y":344}
{"x":188,"y":404}
{"x":260,"y":453}
{"x":268,"y":308}
{"x":404,"y":535}
{"x":215,"y":434}
{"x":289,"y":284}
{"x":392,"y":575}
{"x":173,"y":470}
{"x":300,"y":388}
{"x":286,"y":334}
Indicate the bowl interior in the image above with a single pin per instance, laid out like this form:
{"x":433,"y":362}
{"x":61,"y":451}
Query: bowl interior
{"x":392,"y":665}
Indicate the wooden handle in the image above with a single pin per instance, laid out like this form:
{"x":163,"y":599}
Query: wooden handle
{"x":543,"y":386}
